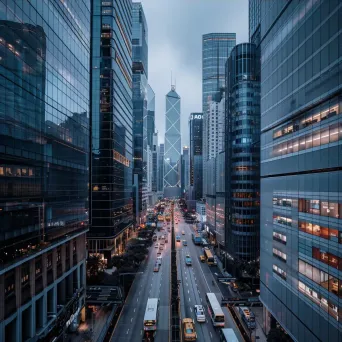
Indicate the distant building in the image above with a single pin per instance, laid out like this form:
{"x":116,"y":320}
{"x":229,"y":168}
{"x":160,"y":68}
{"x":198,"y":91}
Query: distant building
{"x":196,"y":157}
{"x":172,"y":156}
{"x":161,"y":150}
{"x":185,"y":173}
{"x":216,"y":49}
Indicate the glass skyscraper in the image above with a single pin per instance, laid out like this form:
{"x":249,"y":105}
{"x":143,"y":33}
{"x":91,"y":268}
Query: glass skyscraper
{"x":242,"y":156}
{"x":151,"y":110}
{"x":172,"y":145}
{"x":111,"y":203}
{"x":196,"y":161}
{"x":141,"y":114}
{"x":216,"y":48}
{"x":301,"y":162}
{"x":44,"y":159}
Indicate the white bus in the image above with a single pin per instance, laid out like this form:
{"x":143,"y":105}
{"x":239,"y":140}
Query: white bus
{"x":228,"y":335}
{"x":151,"y":314}
{"x":215,"y":310}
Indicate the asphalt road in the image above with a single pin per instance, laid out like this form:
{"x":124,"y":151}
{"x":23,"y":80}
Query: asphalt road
{"x":149,"y":284}
{"x":196,"y":281}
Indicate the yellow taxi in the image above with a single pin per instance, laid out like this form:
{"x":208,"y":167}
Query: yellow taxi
{"x":202,"y":258}
{"x":189,"y":330}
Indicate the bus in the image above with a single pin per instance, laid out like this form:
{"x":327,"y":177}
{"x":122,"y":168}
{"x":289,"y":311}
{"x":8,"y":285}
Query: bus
{"x":248,"y":317}
{"x":151,"y":313}
{"x":214,"y":310}
{"x":161,"y":218}
{"x":208,"y":256}
{"x":228,"y":335}
{"x":197,"y":239}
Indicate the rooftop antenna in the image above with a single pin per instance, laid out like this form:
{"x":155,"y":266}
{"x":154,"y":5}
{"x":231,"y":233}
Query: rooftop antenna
{"x":172,"y":85}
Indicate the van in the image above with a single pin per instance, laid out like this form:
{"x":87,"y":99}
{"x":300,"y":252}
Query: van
{"x":159,"y":260}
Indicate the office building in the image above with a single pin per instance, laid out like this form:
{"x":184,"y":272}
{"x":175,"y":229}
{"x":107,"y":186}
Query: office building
{"x":185,"y":172}
{"x":151,"y":109}
{"x":111,"y":203}
{"x":155,"y":163}
{"x":44,"y":163}
{"x":242,"y":156}
{"x":216,"y":48}
{"x":172,"y":181}
{"x":161,"y":149}
{"x":196,"y":158}
{"x":301,"y":160}
{"x":140,"y":111}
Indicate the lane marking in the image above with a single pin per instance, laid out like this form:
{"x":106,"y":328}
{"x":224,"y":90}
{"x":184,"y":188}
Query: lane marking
{"x":191,"y":309}
{"x":188,"y":291}
{"x":134,"y":310}
{"x":189,"y":299}
{"x":137,"y":299}
{"x":211,"y":336}
{"x":131,"y":319}
{"x":127,"y":331}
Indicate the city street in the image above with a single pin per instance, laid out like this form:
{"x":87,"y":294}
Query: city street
{"x":196,"y":281}
{"x":147,"y":284}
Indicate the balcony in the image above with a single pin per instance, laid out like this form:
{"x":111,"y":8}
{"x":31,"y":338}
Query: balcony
{"x":49,"y":277}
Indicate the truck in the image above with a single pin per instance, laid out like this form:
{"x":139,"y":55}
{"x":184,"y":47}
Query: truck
{"x":197,"y":239}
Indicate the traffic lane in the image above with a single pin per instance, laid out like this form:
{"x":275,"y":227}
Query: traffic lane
{"x":206,"y":283}
{"x":135,"y":305}
{"x":196,"y":277}
{"x":193,"y":297}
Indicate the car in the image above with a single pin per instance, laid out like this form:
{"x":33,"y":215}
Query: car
{"x":159,"y":260}
{"x":183,"y":232}
{"x":234,"y":286}
{"x":185,"y":243}
{"x":202,"y":258}
{"x":188,"y":261}
{"x":156,"y":268}
{"x":199,"y":312}
{"x":161,"y":247}
{"x":176,"y":222}
{"x":178,"y":238}
{"x":189,"y":329}
{"x":156,"y":245}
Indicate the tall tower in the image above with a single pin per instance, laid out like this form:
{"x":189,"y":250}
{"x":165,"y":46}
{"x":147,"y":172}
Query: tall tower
{"x":172,"y":145}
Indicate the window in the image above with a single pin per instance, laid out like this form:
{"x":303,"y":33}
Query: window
{"x":279,"y":271}
{"x":279,"y":254}
{"x":279,"y":237}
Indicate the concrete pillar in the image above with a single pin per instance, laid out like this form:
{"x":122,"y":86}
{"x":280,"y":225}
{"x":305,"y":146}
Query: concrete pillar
{"x":44,"y":300}
{"x":18,"y":327}
{"x":18,"y":286}
{"x":63,"y":248}
{"x":54,"y":263}
{"x":2,"y":300}
{"x":32,"y":275}
{"x":44,"y":269}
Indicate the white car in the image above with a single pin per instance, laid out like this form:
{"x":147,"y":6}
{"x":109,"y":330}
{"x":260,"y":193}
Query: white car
{"x":199,"y":312}
{"x":156,"y":245}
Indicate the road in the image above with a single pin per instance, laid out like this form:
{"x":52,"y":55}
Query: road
{"x":196,"y":281}
{"x":146,"y":285}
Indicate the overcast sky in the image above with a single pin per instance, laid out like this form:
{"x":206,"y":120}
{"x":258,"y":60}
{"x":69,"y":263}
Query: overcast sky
{"x":175,"y":29}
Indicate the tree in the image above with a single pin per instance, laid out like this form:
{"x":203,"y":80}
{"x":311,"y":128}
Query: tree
{"x":277,"y":335}
{"x":95,"y":270}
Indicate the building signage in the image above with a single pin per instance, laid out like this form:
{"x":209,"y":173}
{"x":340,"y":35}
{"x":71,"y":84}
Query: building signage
{"x":196,"y":117}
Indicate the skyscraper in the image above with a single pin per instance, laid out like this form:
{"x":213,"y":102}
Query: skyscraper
{"x":216,"y":48}
{"x":111,"y":203}
{"x":140,"y":111}
{"x":185,"y":173}
{"x":301,"y":160}
{"x":242,"y":156}
{"x":151,"y":109}
{"x":44,"y":163}
{"x":196,"y":161}
{"x":161,"y":150}
{"x":172,"y":145}
{"x":155,"y":163}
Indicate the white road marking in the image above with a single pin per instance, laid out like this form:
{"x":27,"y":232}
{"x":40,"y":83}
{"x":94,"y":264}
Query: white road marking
{"x":137,"y":299}
{"x":134,"y":310}
{"x":191,"y":309}
{"x":131,"y":319}
{"x":127,"y":331}
{"x":201,"y":299}
{"x":210,"y":334}
{"x":188,"y":291}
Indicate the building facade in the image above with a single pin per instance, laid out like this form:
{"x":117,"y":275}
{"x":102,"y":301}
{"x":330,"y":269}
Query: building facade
{"x":161,"y":150}
{"x":185,"y":173}
{"x":140,"y":111}
{"x":172,"y":179}
{"x":111,"y":202}
{"x":216,"y":48}
{"x":155,"y":163}
{"x":151,"y":110}
{"x":242,"y":155}
{"x":301,"y":202}
{"x":44,"y":167}
{"x":196,"y":157}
